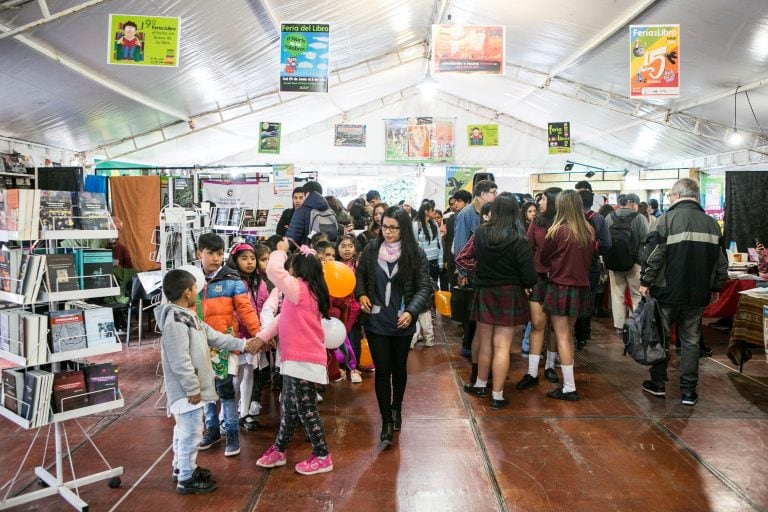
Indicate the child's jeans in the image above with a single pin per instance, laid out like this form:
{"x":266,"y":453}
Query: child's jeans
{"x":226,"y":389}
{"x":187,"y":434}
{"x":298,"y":401}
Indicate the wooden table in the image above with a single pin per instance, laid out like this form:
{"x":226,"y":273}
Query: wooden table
{"x":747,"y":328}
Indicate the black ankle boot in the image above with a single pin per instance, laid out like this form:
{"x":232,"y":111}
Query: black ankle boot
{"x":397,"y":419}
{"x":387,"y":433}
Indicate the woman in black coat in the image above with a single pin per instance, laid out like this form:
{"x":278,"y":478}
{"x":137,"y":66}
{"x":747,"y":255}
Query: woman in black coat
{"x":392,"y":287}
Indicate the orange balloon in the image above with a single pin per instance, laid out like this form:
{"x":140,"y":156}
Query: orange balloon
{"x":339,"y":278}
{"x":443,"y":302}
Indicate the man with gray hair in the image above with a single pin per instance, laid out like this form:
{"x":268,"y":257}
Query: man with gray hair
{"x":683,"y":272}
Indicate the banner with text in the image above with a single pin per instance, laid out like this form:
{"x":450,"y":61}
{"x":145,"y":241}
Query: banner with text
{"x":654,"y":61}
{"x":304,"y":49}
{"x":481,"y":135}
{"x":468,"y":49}
{"x":140,"y":40}
{"x":459,"y":178}
{"x":282,"y":179}
{"x":269,"y":138}
{"x":559,"y":137}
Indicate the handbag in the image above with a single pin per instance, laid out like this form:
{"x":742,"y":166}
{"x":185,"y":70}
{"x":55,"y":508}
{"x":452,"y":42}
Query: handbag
{"x":461,"y":302}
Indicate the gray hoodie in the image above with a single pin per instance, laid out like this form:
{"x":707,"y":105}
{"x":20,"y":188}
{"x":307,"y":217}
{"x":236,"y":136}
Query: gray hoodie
{"x":184,"y":352}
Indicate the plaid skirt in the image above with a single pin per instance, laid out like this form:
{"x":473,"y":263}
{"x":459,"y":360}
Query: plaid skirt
{"x":539,"y":290}
{"x":500,"y":305}
{"x":564,"y":300}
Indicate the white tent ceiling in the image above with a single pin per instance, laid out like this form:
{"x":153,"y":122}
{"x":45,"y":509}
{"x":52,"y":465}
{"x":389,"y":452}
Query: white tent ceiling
{"x":566,"y":60}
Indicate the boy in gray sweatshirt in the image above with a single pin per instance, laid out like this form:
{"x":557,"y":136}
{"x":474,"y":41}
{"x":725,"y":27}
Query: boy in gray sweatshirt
{"x":188,"y":375}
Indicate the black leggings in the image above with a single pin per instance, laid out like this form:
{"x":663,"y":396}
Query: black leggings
{"x":298,"y":401}
{"x":390,"y":357}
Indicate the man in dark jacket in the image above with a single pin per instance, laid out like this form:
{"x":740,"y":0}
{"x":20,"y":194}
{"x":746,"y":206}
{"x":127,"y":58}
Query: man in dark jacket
{"x":299,"y":228}
{"x":583,"y":326}
{"x":285,"y":218}
{"x":684,"y":271}
{"x":460,"y":200}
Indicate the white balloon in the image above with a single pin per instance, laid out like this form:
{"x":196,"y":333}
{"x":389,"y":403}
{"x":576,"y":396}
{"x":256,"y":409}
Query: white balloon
{"x":198,"y":273}
{"x":335,"y":332}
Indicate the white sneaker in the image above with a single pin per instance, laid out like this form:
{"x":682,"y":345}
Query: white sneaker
{"x":430,"y":343}
{"x":255,"y":409}
{"x":355,"y":377}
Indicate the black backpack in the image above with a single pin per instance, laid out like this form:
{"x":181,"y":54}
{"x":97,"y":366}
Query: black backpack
{"x":643,"y":334}
{"x":323,"y":221}
{"x":624,"y":244}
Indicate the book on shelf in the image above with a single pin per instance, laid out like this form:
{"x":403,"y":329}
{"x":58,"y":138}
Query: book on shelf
{"x":99,"y":326}
{"x":61,"y":273}
{"x":191,"y":246}
{"x":32,"y":279}
{"x":96,"y":270}
{"x":249,"y":218}
{"x":56,"y":211}
{"x":22,"y":210}
{"x":10,"y":268}
{"x":261,"y":218}
{"x":36,"y":402}
{"x":222,"y":217}
{"x":184,"y":192}
{"x":13,"y":389}
{"x":101,"y":382}
{"x":33,"y":334}
{"x":67,"y":330}
{"x":69,"y":391}
{"x":93,"y":212}
{"x":235,"y":216}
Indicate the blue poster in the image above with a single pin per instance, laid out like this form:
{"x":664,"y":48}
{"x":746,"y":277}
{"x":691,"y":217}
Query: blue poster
{"x":304,"y":57}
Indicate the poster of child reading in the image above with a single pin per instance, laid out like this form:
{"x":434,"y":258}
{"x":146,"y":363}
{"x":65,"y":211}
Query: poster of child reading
{"x":140,"y":40}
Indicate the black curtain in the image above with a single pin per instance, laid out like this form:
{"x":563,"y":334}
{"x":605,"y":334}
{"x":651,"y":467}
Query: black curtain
{"x":746,"y":214}
{"x":68,"y":179}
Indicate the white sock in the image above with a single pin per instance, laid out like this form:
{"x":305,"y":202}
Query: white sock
{"x":569,"y":382}
{"x":533,"y":365}
{"x":323,"y":458}
{"x":551,"y":356}
{"x":498,"y":395}
{"x":480,"y":383}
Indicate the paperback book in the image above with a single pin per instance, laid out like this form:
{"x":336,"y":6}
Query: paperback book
{"x":96,"y":270}
{"x":67,"y":330}
{"x":61,"y":273}
{"x":93,"y":211}
{"x":101,"y":382}
{"x":69,"y":391}
{"x":99,"y":326}
{"x":56,"y":210}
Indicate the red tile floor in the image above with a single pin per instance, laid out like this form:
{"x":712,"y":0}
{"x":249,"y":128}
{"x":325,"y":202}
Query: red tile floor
{"x":616,"y":449}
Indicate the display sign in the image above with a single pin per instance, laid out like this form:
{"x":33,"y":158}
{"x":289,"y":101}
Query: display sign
{"x":269,"y":138}
{"x":480,"y":135}
{"x":459,"y":178}
{"x":419,"y":139}
{"x":713,"y":197}
{"x":140,"y":40}
{"x":559,"y":137}
{"x":304,"y":49}
{"x":654,"y":61}
{"x":468,"y":49}
{"x":282,"y":179}
{"x":349,"y":135}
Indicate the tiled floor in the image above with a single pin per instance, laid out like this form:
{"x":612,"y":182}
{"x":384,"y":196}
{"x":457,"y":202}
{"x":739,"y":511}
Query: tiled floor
{"x":616,"y":449}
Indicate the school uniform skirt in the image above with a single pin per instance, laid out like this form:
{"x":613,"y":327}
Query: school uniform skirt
{"x":504,"y":305}
{"x":564,"y":300}
{"x":539,"y":290}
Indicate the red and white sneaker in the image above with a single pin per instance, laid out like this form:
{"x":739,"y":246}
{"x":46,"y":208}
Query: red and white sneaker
{"x":272,"y":458}
{"x":314,"y":465}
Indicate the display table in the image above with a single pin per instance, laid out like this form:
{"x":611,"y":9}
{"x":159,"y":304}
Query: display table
{"x":726,"y":304}
{"x":747,"y":327}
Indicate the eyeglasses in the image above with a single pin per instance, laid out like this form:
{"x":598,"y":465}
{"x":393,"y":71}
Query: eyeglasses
{"x":384,"y":227}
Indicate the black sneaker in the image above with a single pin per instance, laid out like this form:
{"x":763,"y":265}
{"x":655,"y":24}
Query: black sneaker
{"x":475,"y":391}
{"x":528,"y":381}
{"x":705,"y":351}
{"x":654,"y":389}
{"x":210,"y":438}
{"x":498,"y":404}
{"x":690,"y":398}
{"x":559,"y":394}
{"x":551,"y":375}
{"x":198,"y":484}
{"x":205,"y":474}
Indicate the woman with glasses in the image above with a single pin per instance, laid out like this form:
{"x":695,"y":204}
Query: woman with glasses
{"x":392,"y":287}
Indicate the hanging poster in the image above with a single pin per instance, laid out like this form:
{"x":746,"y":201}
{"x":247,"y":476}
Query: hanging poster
{"x":480,"y":135}
{"x":419,"y":139}
{"x":654,"y":61}
{"x":349,"y":135}
{"x":143,"y":40}
{"x":713,"y":196}
{"x":459,"y":178}
{"x":269,"y":138}
{"x":468,"y":49}
{"x":282,"y":179}
{"x":304,"y":57}
{"x":559,"y":137}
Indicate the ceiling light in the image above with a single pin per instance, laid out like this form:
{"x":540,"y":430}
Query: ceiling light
{"x":735,"y":138}
{"x":428,"y":85}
